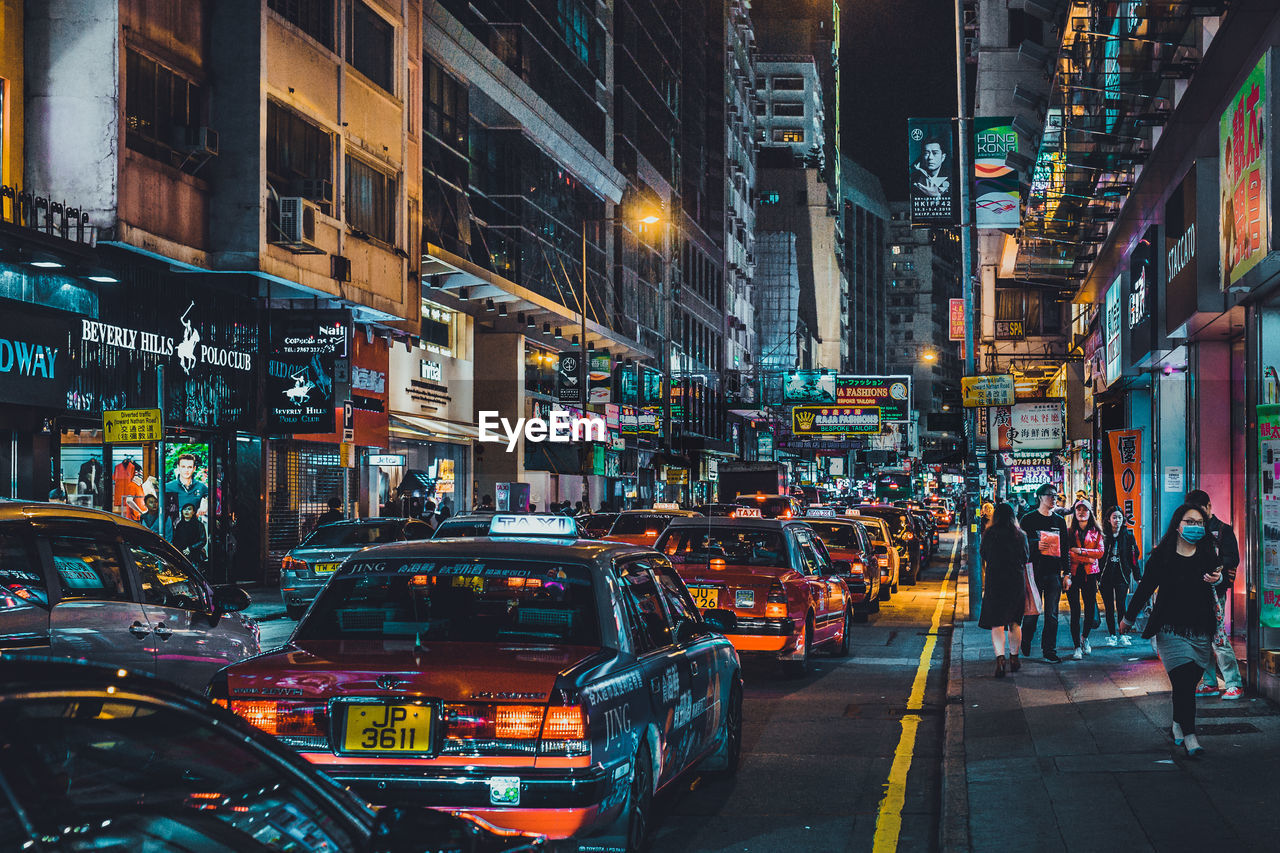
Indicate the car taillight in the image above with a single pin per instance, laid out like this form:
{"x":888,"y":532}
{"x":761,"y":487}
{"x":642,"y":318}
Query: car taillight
{"x":517,"y":722}
{"x":293,"y":564}
{"x":908,"y":535}
{"x":856,"y":568}
{"x":565,"y":722}
{"x":310,"y":719}
{"x":775,"y":605}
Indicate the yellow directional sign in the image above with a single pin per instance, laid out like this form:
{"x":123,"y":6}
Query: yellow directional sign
{"x":134,"y":425}
{"x":996,"y":390}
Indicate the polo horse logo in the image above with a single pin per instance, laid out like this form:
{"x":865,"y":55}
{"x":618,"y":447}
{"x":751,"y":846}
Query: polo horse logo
{"x":301,"y":391}
{"x":190,"y":337}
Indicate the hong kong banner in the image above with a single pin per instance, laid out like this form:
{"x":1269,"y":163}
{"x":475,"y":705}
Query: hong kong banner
{"x":995,"y":184}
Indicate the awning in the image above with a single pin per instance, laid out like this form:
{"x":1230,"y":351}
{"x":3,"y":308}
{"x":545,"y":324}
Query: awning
{"x":434,"y":429}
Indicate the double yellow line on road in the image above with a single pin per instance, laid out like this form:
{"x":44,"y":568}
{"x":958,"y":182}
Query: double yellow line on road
{"x":889,"y":821}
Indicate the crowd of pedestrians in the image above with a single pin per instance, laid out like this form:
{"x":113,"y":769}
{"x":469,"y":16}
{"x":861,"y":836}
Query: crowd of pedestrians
{"x":1176,"y":597}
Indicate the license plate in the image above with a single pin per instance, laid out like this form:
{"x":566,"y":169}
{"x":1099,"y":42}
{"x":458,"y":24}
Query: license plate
{"x":706,"y":597}
{"x":326,"y":568}
{"x":388,"y":728}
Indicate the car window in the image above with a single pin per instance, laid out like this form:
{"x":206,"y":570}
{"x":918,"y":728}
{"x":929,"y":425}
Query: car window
{"x":836,"y":535}
{"x":633,"y":524}
{"x":414,"y":530}
{"x":650,"y":628}
{"x":809,"y":560}
{"x":167,"y":580}
{"x":463,"y":527}
{"x":89,"y":566}
{"x":22,"y":583}
{"x":679,"y":604}
{"x":130,"y":774}
{"x":739,"y":546}
{"x":347,"y":535}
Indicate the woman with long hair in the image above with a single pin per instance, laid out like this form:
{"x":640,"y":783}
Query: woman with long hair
{"x":1084,"y":538}
{"x":1119,"y":570}
{"x":1184,"y":568}
{"x":1004,"y":557}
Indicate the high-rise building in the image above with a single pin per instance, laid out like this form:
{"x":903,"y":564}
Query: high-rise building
{"x":866,"y":226}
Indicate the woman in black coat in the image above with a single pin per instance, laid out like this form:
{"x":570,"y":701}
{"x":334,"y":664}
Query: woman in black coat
{"x":1004,"y":558}
{"x":1119,"y":569}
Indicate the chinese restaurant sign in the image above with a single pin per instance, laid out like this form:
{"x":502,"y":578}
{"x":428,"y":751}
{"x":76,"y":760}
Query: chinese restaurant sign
{"x":1024,"y":427}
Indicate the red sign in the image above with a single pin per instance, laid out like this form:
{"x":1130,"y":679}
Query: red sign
{"x":1126,"y":464}
{"x":957,"y":319}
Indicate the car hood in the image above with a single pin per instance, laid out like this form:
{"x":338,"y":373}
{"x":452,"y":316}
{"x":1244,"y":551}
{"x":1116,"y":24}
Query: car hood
{"x":454,"y":672}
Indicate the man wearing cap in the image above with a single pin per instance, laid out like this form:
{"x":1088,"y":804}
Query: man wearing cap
{"x":1047,"y":543}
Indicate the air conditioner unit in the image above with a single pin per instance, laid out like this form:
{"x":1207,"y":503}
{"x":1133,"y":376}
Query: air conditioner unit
{"x":200,"y":141}
{"x":314,"y":189}
{"x":297,"y":226}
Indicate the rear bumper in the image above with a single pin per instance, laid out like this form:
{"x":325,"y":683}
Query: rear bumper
{"x":754,"y":634}
{"x":300,"y":591}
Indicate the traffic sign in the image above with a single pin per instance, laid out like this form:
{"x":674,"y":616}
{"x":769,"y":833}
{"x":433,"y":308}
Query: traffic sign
{"x":993,"y":390}
{"x":132,"y":425}
{"x":348,"y":422}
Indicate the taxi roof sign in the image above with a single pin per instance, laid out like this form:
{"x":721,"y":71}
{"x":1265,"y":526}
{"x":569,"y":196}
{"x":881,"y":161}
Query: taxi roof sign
{"x":666,"y":505}
{"x":747,"y":512}
{"x":820,"y":512}
{"x":558,"y":526}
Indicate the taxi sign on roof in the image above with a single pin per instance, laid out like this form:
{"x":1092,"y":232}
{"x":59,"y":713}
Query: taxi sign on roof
{"x":533,"y":525}
{"x":747,"y":512}
{"x":820,"y":512}
{"x":666,"y":505}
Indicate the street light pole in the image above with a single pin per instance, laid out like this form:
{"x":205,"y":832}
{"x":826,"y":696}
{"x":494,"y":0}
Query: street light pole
{"x":966,"y":282}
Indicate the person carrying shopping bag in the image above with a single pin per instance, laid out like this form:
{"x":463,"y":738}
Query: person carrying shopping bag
{"x":1183,"y":568}
{"x":1004,"y":560}
{"x":1119,"y":571}
{"x":1084,"y":543}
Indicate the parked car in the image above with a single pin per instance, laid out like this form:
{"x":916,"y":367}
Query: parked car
{"x":786,"y":595}
{"x":98,"y":758}
{"x":886,"y":554}
{"x":596,"y":525}
{"x":847,"y":542}
{"x":308,"y":567}
{"x":546,"y":686}
{"x":85,"y":584}
{"x":903,"y":530}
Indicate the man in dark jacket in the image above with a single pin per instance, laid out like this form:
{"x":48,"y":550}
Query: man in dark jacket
{"x":332,"y":514}
{"x":1229,"y":553}
{"x":1049,"y":564}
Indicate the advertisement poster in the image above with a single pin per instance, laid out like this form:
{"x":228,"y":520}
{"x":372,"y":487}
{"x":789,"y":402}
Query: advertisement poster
{"x":955,"y":317}
{"x":186,"y":500}
{"x":934,"y":188}
{"x":1269,"y":511}
{"x":569,"y":378}
{"x":891,"y":394}
{"x":1126,"y":463}
{"x":835,"y":420}
{"x":300,"y":371}
{"x":599,"y":378}
{"x":995,"y":185}
{"x":1243,"y":137}
{"x":809,"y":386}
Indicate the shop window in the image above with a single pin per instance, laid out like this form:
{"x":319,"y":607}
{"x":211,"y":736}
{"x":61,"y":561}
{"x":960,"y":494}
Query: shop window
{"x":313,"y":17}
{"x":160,"y":104}
{"x":371,"y":45}
{"x":788,"y":135}
{"x":297,"y":151}
{"x":788,"y":84}
{"x":788,"y":108}
{"x":446,"y":108}
{"x":437,"y":329}
{"x":370,"y":201}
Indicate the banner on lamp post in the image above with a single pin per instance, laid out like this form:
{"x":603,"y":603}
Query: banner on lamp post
{"x":995,"y":184}
{"x":956,"y":316}
{"x":933,"y":180}
{"x":1126,"y":464}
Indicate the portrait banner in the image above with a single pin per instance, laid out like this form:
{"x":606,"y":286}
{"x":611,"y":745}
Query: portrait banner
{"x":932,"y":180}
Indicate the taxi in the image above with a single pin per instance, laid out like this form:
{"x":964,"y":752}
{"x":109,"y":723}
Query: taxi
{"x":785,"y":592}
{"x":887,"y":557}
{"x":542,"y":684}
{"x":643,"y":526}
{"x":846,"y":540}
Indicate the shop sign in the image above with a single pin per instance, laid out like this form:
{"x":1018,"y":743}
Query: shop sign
{"x":34,"y":362}
{"x":835,"y":420}
{"x":649,"y":421}
{"x":1113,"y":322}
{"x":611,"y":412}
{"x":995,"y":184}
{"x":1142,"y":274}
{"x":711,"y":469}
{"x":764,"y":446}
{"x":1126,"y":465}
{"x":956,"y":319}
{"x":677,"y":476}
{"x":300,"y":372}
{"x":1269,"y":511}
{"x":932,"y":172}
{"x":388,"y":460}
{"x":569,"y":378}
{"x":1011,"y":330}
{"x":834,"y":445}
{"x":628,"y":421}
{"x":809,"y":386}
{"x":426,"y":384}
{"x":189,"y":351}
{"x":1030,"y":476}
{"x":1244,"y":135}
{"x":132,"y":425}
{"x":891,"y":394}
{"x":1191,"y":272}
{"x":599,"y":378}
{"x":993,"y":390}
{"x":1027,"y":426}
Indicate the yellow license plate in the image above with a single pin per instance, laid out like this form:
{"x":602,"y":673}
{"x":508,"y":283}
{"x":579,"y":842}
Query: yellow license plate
{"x":706,"y":597}
{"x":326,"y":568}
{"x":388,"y":728}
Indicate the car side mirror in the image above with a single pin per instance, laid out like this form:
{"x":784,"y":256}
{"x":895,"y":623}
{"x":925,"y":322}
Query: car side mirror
{"x":722,"y":621}
{"x":688,"y":631}
{"x":229,"y":598}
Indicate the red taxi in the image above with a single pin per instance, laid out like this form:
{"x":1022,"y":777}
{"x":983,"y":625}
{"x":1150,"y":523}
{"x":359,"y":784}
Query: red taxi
{"x":543,"y":685}
{"x":775,"y":576}
{"x":644,"y":526}
{"x":847,"y":541}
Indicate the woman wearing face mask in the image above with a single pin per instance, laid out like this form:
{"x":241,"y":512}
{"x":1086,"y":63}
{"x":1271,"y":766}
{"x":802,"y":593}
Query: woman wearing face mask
{"x":1184,"y":567}
{"x":1085,"y":539}
{"x":1119,"y":569}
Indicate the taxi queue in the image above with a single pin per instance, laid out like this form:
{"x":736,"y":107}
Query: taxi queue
{"x":550,"y":683}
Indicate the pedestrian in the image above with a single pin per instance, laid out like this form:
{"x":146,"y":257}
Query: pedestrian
{"x":1085,"y":549}
{"x":1046,"y":541}
{"x":1119,"y":570}
{"x":486,"y":504}
{"x":1224,"y":655}
{"x":985,"y":513}
{"x":1183,"y":567}
{"x":1004,"y":560}
{"x":332,"y":514}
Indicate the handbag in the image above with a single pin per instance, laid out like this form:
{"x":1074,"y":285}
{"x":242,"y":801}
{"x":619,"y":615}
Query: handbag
{"x":1033,"y":605}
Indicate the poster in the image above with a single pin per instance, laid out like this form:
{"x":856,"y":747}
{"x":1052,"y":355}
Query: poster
{"x":185,"y":512}
{"x":599,"y":378}
{"x":955,"y":317}
{"x":569,"y":378}
{"x":995,"y":184}
{"x":1269,"y":511}
{"x":891,"y":394}
{"x":1126,"y":466}
{"x":1243,"y":136}
{"x":932,"y":177}
{"x":300,"y":381}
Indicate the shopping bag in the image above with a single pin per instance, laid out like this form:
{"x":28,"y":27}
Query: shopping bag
{"x":1033,"y":605}
{"x":1140,"y":623}
{"x":1050,"y":543}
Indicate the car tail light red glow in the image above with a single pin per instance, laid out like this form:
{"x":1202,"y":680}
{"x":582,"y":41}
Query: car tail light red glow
{"x":293,"y":564}
{"x":856,"y":568}
{"x":282,"y":719}
{"x":775,"y":604}
{"x":515,"y":729}
{"x":517,"y":722}
{"x":565,"y":722}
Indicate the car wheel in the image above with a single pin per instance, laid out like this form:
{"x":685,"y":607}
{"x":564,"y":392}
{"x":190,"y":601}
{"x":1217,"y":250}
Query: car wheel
{"x":640,"y":801}
{"x":798,"y":668}
{"x":724,"y":761}
{"x":295,"y":611}
{"x":842,"y":650}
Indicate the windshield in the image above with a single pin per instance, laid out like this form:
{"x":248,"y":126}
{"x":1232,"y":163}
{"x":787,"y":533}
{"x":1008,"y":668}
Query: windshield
{"x":132,"y":775}
{"x":457,"y":600}
{"x":352,"y":535}
{"x":597,"y":525}
{"x":770,"y":507}
{"x":640,"y":522}
{"x":462,"y":527}
{"x":836,"y":535}
{"x":740,"y":546}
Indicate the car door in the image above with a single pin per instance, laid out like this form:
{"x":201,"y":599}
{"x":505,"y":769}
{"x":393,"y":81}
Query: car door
{"x":805,"y":562}
{"x":24,"y":592}
{"x":830,"y":596}
{"x":189,"y":642}
{"x":707,"y":694}
{"x":96,"y":615}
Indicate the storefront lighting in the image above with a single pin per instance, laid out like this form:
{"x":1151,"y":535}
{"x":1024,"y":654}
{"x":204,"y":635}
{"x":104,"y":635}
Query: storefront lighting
{"x":558,"y":335}
{"x":575,"y":340}
{"x":502,"y":310}
{"x":103,"y":279}
{"x":45,"y":264}
{"x":546,"y":328}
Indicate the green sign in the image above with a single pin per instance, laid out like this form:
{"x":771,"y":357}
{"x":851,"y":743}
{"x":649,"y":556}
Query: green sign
{"x":1269,"y":512}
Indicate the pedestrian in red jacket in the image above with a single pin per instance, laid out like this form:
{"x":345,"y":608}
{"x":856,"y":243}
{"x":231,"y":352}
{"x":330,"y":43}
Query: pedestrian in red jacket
{"x":1085,"y":540}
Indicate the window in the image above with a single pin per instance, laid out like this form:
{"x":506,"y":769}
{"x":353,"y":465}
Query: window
{"x":679,"y":604}
{"x":313,"y":17}
{"x":575,"y":28}
{"x":446,"y":108}
{"x":788,"y":108}
{"x":165,"y":579}
{"x":371,"y":45}
{"x":649,"y":626}
{"x":21,"y":581}
{"x":297,"y":150}
{"x":788,"y":135}
{"x":89,"y":566}
{"x":370,"y":201}
{"x":160,"y":105}
{"x":788,"y":84}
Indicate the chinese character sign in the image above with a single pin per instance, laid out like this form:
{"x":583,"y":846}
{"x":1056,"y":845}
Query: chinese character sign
{"x":956,"y":317}
{"x":1027,"y":427}
{"x":1269,"y":511}
{"x":1243,"y":137}
{"x":995,"y":390}
{"x":1126,"y":465}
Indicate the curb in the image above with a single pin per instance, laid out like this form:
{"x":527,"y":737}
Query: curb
{"x":953,"y":821}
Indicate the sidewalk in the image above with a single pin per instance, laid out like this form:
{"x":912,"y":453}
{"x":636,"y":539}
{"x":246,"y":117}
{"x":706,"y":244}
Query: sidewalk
{"x":1077,"y":757}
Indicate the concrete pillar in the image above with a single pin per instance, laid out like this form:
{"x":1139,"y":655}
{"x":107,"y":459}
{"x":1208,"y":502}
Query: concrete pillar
{"x":499,"y":387}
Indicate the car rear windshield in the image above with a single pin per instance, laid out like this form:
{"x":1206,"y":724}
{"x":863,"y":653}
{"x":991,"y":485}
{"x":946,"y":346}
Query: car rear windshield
{"x":462,"y":527}
{"x":635,"y":523}
{"x":740,"y":546}
{"x":352,"y":535}
{"x":457,"y":600}
{"x":770,"y":507}
{"x":897,"y":518}
{"x":874,"y":533}
{"x":597,"y":525}
{"x":836,"y":535}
